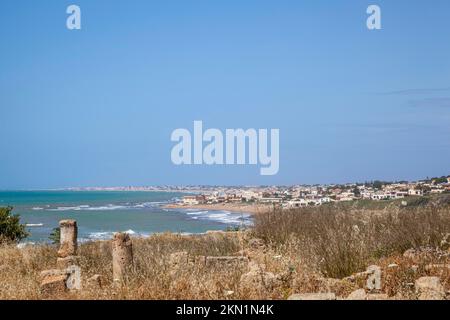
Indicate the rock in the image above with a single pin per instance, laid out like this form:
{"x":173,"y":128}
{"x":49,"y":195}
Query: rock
{"x":228,"y":293}
{"x":340,"y":287}
{"x":313,"y":296}
{"x":374,"y":278}
{"x":429,"y":288}
{"x":73,"y":281}
{"x":68,"y":238}
{"x":71,"y":275}
{"x":359,"y":294}
{"x":53,"y":285}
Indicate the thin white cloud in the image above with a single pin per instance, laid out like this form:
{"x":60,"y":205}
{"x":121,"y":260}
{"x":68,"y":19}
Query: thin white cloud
{"x":408,"y":92}
{"x":430,"y":103}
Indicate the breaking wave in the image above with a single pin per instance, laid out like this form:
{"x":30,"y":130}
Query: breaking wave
{"x":34,"y":225}
{"x":221,"y":216}
{"x":107,"y":235}
{"x":108,"y":207}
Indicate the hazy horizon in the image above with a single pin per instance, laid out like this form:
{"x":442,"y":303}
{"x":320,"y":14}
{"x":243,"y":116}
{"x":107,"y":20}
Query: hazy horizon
{"x":66,"y":188}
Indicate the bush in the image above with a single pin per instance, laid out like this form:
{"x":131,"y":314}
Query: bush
{"x":11,"y":230}
{"x":55,"y":235}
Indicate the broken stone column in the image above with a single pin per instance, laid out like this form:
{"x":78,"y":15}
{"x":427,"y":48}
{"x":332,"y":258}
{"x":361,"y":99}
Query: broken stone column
{"x":67,"y":253}
{"x":122,"y":256}
{"x":67,"y":276}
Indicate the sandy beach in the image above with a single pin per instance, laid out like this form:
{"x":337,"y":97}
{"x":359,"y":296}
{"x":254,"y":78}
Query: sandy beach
{"x":234,"y":207}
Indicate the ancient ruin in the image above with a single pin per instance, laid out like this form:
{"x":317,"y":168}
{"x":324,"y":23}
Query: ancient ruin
{"x":67,"y":275}
{"x":122,"y":256}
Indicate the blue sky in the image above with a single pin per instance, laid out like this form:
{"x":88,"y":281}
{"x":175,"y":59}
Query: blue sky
{"x":97,"y":106}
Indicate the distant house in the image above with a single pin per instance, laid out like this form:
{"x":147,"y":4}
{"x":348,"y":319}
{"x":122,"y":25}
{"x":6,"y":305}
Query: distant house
{"x":234,"y":198}
{"x":190,"y":200}
{"x":270,"y":200}
{"x":211,"y":198}
{"x":249,"y":195}
{"x":221,"y":199}
{"x":401,"y":194}
{"x":438,"y":189}
{"x":296,"y":203}
{"x":193,"y":200}
{"x":325,"y":200}
{"x":366,"y":194}
{"x":415,"y":192}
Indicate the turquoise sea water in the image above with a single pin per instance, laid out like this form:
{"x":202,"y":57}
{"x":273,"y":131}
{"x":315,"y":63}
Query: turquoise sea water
{"x":100,"y":213}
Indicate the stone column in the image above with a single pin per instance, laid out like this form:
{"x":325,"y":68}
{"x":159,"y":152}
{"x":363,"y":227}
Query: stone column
{"x":122,"y":256}
{"x":68,"y":240}
{"x":67,"y":276}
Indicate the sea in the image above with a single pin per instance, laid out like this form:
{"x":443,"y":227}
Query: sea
{"x":101,"y":213}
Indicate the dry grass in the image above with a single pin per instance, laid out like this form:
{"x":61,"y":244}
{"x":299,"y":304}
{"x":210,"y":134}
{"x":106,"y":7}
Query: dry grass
{"x":342,"y":242}
{"x":151,"y":277}
{"x":308,"y":250}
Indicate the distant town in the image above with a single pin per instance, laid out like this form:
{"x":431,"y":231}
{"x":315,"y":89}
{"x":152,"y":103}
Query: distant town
{"x":297,"y":195}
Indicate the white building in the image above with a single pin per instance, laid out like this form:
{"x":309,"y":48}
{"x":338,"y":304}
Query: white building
{"x":415,"y":192}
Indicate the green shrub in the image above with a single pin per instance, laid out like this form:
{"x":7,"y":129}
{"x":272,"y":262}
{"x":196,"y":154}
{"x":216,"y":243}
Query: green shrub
{"x":11,"y":230}
{"x":55,"y":235}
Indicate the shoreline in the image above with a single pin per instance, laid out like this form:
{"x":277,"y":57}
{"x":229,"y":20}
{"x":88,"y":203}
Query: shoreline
{"x":232,"y":207}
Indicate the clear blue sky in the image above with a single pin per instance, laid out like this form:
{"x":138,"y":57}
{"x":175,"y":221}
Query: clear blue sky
{"x":97,"y":106}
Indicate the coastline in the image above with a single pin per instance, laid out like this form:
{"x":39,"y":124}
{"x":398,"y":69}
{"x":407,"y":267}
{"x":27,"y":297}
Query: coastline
{"x":233,"y":207}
